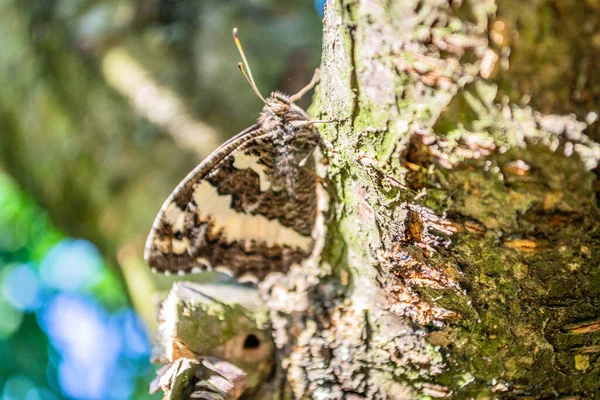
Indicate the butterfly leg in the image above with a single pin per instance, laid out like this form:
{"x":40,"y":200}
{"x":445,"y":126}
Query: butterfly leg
{"x":300,"y":124}
{"x":315,"y":79}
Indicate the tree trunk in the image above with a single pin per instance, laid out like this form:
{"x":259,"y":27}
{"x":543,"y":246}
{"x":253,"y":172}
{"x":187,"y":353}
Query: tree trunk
{"x":462,"y":259}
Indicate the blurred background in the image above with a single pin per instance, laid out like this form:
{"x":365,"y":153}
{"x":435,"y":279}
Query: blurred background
{"x":105,"y":105}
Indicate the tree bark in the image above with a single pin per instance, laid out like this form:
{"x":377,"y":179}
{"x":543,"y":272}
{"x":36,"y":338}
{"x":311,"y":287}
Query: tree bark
{"x":462,"y":260}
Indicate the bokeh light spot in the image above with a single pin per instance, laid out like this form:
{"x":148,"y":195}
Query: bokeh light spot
{"x":72,"y":265}
{"x":134,"y":335}
{"x":41,"y":394}
{"x":320,"y":7}
{"x":77,"y":327}
{"x":20,"y":287}
{"x":16,"y":388}
{"x":10,"y":320}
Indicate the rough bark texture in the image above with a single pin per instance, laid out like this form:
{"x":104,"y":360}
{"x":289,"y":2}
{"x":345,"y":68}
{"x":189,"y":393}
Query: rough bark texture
{"x":462,"y":261}
{"x":469,"y":219}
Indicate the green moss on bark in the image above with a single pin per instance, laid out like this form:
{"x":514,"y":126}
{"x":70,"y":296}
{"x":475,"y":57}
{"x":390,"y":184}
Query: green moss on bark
{"x":475,"y":216}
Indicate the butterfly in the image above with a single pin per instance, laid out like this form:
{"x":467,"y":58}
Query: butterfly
{"x":250,"y":207}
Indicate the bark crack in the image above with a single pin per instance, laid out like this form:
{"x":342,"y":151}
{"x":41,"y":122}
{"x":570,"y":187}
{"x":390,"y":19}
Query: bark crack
{"x":354,"y":82}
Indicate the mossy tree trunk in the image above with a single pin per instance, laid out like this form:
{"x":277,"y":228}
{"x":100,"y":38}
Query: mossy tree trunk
{"x":463,"y":259}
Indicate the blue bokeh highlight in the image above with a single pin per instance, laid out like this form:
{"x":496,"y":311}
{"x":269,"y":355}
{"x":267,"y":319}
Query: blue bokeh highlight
{"x":320,"y":7}
{"x":72,"y":265}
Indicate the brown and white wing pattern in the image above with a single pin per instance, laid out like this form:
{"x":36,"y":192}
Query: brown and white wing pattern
{"x":229,"y":213}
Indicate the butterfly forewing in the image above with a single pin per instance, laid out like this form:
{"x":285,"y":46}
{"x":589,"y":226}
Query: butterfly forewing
{"x":230,"y":212}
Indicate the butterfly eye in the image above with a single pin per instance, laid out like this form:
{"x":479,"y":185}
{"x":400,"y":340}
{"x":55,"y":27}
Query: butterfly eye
{"x":178,"y":235}
{"x":251,"y":342}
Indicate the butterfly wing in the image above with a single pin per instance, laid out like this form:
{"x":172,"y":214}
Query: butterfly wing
{"x":227,"y":212}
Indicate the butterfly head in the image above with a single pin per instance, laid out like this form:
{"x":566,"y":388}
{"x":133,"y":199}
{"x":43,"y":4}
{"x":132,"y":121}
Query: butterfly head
{"x":277,"y":103}
{"x":278,"y":109}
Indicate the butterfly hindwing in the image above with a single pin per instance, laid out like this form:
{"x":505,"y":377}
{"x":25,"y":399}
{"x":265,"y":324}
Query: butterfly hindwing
{"x":249,"y":207}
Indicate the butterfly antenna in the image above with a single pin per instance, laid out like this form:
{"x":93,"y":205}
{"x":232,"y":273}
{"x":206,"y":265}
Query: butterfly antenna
{"x":244,"y":65}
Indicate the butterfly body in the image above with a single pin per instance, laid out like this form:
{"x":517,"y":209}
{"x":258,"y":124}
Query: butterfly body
{"x":250,"y":206}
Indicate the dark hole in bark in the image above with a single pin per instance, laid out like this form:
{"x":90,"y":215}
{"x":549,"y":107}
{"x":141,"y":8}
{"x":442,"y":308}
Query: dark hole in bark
{"x":251,"y":342}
